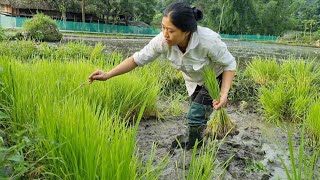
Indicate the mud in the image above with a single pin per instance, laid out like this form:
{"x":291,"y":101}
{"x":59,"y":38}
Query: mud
{"x":256,"y":149}
{"x":241,"y":50}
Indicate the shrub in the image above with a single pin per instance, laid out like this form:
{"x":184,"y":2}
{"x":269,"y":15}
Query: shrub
{"x":42,"y":28}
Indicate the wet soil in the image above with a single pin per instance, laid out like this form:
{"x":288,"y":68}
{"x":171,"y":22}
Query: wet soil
{"x":241,"y":50}
{"x":256,"y":149}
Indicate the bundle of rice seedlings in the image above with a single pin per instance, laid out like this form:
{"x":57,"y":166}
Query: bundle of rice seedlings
{"x":220,"y":124}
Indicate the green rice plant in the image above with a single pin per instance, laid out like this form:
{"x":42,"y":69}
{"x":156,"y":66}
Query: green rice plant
{"x":289,"y":98}
{"x":45,"y":51}
{"x":81,"y":145}
{"x":73,"y":50}
{"x":243,"y":88}
{"x":204,"y":164}
{"x":219,"y":124}
{"x":302,"y":165}
{"x":263,"y":71}
{"x":275,"y":102}
{"x":22,"y":50}
{"x":80,"y":131}
{"x":313,"y":122}
{"x":97,"y":52}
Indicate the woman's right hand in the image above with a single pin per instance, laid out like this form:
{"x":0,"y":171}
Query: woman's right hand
{"x":99,"y":75}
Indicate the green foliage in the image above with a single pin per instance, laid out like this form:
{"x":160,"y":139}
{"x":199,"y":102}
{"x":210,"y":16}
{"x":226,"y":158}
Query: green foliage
{"x":67,"y":117}
{"x":203,"y":164}
{"x":156,"y":21}
{"x":287,"y":90}
{"x":263,"y":71}
{"x":302,"y":166}
{"x":211,"y":83}
{"x":244,"y":88}
{"x":42,"y":28}
{"x":144,"y":11}
{"x":313,"y":122}
{"x":2,"y":34}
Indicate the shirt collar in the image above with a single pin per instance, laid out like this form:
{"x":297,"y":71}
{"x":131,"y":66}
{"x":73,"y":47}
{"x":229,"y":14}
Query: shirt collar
{"x":193,"y":42}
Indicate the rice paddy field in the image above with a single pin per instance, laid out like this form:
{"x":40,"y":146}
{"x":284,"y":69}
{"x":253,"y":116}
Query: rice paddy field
{"x":54,"y":125}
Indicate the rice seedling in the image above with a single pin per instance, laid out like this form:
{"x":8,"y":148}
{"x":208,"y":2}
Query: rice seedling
{"x":204,"y":164}
{"x":243,"y":88}
{"x":219,"y":124}
{"x":263,"y":71}
{"x":275,"y":102}
{"x":290,"y":96}
{"x":302,"y":166}
{"x":313,"y":123}
{"x":82,"y":133}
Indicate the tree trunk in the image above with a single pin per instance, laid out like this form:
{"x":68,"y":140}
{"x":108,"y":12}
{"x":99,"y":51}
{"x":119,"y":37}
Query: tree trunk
{"x":64,"y":16}
{"x":82,"y":10}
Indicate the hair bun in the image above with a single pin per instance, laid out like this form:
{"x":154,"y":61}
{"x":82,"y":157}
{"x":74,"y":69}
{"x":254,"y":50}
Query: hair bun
{"x":198,"y":15}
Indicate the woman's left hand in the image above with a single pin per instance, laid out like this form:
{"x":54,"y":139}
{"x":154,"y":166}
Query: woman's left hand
{"x":220,"y":103}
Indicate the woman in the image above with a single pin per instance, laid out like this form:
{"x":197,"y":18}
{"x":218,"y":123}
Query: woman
{"x":189,"y":48}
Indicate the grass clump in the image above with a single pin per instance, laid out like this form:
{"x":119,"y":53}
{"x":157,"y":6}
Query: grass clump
{"x":263,"y":71}
{"x":220,"y":124}
{"x":313,"y":123}
{"x":288,"y":95}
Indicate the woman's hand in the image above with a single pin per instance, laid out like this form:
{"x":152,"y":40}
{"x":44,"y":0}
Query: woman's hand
{"x":220,"y":103}
{"x":98,"y":75}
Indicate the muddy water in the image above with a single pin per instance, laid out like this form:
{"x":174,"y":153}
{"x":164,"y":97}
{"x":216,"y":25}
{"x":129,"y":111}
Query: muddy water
{"x":242,"y":50}
{"x":256,"y":149}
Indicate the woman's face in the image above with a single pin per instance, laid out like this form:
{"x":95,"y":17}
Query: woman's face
{"x":172,"y":34}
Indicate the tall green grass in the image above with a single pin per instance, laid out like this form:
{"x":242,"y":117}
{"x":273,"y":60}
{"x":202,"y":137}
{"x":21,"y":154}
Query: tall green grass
{"x":263,"y":71}
{"x":203,"y":164}
{"x":302,"y":165}
{"x":313,"y":123}
{"x":287,"y":92}
{"x":82,"y":132}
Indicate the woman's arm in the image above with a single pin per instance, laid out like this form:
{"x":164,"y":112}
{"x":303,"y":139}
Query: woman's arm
{"x":124,"y":67}
{"x":227,"y":78}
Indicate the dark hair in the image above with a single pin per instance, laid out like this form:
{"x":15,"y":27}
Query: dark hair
{"x":183,"y":16}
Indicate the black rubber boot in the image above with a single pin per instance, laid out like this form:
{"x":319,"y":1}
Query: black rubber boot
{"x":181,"y":141}
{"x":195,"y":133}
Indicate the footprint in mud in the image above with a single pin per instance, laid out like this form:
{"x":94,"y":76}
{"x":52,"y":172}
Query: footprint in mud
{"x":246,"y":152}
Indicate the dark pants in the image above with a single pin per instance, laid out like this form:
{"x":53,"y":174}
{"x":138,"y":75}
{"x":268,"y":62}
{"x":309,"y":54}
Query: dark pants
{"x":201,"y":105}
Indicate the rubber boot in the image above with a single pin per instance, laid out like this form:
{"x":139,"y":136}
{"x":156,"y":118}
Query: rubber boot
{"x":195,"y":133}
{"x":197,"y":117}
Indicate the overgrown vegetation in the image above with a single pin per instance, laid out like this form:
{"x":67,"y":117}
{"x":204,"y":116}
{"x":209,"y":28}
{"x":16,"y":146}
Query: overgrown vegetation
{"x":41,"y":28}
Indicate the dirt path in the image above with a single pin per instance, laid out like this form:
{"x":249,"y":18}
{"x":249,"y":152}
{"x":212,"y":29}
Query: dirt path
{"x":256,"y":148}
